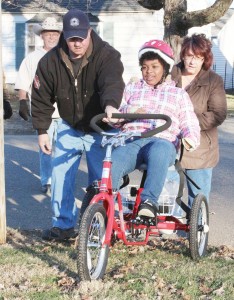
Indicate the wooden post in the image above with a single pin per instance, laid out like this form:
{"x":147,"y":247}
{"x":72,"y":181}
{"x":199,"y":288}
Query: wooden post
{"x":2,"y":169}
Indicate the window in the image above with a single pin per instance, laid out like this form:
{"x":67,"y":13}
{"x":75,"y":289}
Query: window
{"x":30,"y":38}
{"x":19,"y":44}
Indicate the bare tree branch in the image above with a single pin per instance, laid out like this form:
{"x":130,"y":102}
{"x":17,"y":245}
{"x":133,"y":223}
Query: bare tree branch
{"x":152,"y":4}
{"x":205,"y":16}
{"x":177,"y":20}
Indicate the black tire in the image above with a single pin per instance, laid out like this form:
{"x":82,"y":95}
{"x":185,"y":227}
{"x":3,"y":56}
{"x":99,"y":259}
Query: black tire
{"x":92,"y":256}
{"x":199,"y":227}
{"x":91,"y":192}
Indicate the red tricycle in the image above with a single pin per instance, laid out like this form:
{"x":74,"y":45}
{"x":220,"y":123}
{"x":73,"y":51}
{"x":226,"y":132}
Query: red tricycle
{"x":104,"y":221}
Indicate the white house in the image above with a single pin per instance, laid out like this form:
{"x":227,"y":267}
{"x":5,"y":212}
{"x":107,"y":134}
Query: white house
{"x":124,"y":24}
{"x":225,"y":43}
{"x":221,"y":35}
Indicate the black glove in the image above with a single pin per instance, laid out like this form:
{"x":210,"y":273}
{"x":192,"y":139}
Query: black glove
{"x":24,"y":109}
{"x":7,"y":109}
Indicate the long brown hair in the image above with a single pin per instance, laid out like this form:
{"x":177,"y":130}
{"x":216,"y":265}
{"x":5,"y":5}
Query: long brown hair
{"x":201,"y":46}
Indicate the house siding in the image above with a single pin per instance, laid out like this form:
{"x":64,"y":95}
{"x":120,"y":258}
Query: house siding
{"x":126,"y":31}
{"x":129,"y":33}
{"x":12,"y":39}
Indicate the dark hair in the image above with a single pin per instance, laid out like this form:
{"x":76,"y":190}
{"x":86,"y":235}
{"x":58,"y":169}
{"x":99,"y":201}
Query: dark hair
{"x":150,"y":55}
{"x":201,"y":46}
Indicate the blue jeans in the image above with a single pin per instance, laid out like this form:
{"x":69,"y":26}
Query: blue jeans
{"x":202,"y":177}
{"x":45,"y":159}
{"x":157,"y":153}
{"x":70,"y":145}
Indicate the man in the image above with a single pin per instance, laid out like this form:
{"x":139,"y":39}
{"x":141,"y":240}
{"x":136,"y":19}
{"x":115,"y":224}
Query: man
{"x":7,"y":109}
{"x":83,"y":74}
{"x":49,"y":31}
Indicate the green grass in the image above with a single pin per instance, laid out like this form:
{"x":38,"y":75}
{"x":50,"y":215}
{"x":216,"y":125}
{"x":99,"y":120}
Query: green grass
{"x":33,"y":269}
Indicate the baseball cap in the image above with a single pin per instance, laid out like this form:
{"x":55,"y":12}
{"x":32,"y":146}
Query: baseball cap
{"x":75,"y":24}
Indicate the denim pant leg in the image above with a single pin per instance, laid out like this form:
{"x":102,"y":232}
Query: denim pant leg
{"x":68,"y":151}
{"x":45,"y":168}
{"x":124,"y":161}
{"x":159,"y":155}
{"x":95,"y":155}
{"x":202,"y":177}
{"x":45,"y":159}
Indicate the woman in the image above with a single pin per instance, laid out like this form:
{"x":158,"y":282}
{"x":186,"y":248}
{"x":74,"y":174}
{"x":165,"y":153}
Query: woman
{"x":207,"y":93}
{"x":153,"y":94}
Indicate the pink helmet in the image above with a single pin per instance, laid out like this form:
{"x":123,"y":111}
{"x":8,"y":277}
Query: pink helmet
{"x":161,"y":48}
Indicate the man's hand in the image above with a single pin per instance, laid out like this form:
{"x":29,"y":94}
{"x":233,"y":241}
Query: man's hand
{"x":109,"y":111}
{"x":7,"y":110}
{"x":24,"y":109}
{"x":44,"y":143}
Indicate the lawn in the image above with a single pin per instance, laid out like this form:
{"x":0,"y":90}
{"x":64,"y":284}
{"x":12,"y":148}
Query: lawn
{"x":33,"y":269}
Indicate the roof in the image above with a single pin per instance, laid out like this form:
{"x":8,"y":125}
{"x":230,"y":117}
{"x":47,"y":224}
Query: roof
{"x":40,"y":17}
{"x":56,"y":6}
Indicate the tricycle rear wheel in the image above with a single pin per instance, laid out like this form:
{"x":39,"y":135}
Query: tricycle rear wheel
{"x":199,"y":227}
{"x":92,"y":254}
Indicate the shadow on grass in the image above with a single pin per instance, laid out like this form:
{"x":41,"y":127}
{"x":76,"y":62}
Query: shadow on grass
{"x":30,"y":242}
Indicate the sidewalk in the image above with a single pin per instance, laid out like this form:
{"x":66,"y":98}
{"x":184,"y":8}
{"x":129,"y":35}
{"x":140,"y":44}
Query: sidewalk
{"x":226,"y":131}
{"x":17,"y":126}
{"x":28,"y":208}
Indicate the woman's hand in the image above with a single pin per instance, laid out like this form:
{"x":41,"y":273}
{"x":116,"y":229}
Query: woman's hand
{"x":188,"y":144}
{"x":140,"y":110}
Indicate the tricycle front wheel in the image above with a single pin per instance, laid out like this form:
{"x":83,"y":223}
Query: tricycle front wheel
{"x":199,"y":227}
{"x":92,"y":254}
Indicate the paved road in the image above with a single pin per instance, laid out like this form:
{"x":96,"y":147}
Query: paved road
{"x":27,"y":208}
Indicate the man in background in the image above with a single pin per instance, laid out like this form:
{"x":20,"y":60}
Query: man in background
{"x":49,"y":31}
{"x":7,"y":109}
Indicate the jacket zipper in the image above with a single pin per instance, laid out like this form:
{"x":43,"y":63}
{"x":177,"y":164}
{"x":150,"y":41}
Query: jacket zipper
{"x":76,"y":85}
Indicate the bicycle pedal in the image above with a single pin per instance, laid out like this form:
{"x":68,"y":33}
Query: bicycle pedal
{"x":149,"y":221}
{"x":136,"y":221}
{"x":141,"y":220}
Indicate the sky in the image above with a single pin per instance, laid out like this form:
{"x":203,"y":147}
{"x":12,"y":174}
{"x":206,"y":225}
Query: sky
{"x":212,"y":1}
{"x":201,"y":4}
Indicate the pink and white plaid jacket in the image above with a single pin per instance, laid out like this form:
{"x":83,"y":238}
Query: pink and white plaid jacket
{"x":165,"y":99}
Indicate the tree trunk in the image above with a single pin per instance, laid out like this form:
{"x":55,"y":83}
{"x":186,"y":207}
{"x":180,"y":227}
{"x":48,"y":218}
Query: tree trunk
{"x":178,"y":21}
{"x":2,"y":169}
{"x":173,"y":34}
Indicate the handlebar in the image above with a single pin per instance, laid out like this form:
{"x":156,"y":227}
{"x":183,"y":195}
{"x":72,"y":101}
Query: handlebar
{"x":93,"y":122}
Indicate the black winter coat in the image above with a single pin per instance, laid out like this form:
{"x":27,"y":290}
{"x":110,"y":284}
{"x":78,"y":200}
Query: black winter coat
{"x":99,"y":84}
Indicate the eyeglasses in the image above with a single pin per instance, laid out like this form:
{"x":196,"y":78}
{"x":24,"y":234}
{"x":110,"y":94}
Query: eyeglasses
{"x":194,"y":57}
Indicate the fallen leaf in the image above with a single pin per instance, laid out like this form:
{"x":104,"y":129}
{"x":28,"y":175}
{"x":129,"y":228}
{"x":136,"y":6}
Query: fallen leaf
{"x":116,"y":276}
{"x":205,"y":289}
{"x":219,"y":292}
{"x":46,"y":249}
{"x":159,"y":284}
{"x":66,"y":281}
